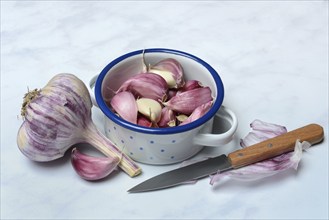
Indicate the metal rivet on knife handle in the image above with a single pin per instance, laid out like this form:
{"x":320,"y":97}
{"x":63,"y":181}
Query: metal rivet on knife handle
{"x":312,"y":133}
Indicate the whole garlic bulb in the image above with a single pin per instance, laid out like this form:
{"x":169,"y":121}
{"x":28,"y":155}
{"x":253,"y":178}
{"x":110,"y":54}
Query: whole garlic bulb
{"x":59,"y":116}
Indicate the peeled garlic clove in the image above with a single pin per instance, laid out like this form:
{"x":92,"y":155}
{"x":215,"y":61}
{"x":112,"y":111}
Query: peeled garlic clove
{"x":198,"y":113}
{"x":150,"y":108}
{"x":167,"y":118}
{"x":124,"y":103}
{"x":93,"y":168}
{"x":147,"y":85}
{"x":171,"y":70}
{"x":181,"y":117}
{"x":187,"y":101}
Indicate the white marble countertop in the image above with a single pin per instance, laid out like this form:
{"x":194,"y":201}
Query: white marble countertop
{"x":272,"y":57}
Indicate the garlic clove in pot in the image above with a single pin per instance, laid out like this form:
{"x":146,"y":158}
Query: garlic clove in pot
{"x":125,"y":105}
{"x":144,"y":121}
{"x":147,"y":85}
{"x":168,"y":118}
{"x":171,"y":70}
{"x":93,"y":168}
{"x":187,"y":101}
{"x":190,"y":85}
{"x":149,"y":108}
{"x":198,"y":113}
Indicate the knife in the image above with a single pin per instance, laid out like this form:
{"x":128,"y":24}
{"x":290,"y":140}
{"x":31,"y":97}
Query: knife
{"x":312,"y":133}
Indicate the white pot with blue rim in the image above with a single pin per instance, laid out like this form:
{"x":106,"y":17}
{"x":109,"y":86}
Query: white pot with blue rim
{"x":163,"y":145}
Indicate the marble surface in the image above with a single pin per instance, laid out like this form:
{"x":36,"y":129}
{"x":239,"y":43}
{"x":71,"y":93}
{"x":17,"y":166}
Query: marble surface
{"x":271,"y":55}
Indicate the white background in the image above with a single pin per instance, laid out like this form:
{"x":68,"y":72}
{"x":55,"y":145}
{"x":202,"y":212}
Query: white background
{"x":271,"y":55}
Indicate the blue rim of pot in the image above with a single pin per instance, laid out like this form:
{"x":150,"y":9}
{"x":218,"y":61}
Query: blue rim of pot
{"x":161,"y":131}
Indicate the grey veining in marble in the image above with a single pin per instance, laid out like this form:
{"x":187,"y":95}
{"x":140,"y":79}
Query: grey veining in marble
{"x":271,"y":55}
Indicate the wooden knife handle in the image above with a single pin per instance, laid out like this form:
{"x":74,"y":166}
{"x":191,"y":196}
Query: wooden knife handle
{"x":312,"y":133}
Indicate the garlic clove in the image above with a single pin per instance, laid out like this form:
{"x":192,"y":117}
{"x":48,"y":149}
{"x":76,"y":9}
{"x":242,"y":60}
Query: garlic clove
{"x":198,"y":113}
{"x":147,"y":85}
{"x":93,"y":168}
{"x":167,"y":118}
{"x":171,"y":70}
{"x":149,"y":108}
{"x":124,"y":104}
{"x":168,"y":76}
{"x":143,"y":121}
{"x":187,"y":101}
{"x":191,"y":84}
{"x":171,"y":93}
{"x":181,"y":117}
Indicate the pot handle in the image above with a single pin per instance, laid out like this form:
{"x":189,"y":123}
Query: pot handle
{"x":224,"y":126}
{"x":91,"y":89}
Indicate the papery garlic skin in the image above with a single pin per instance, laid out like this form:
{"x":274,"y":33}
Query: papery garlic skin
{"x":187,"y":101}
{"x":171,"y":70}
{"x":146,"y":85}
{"x":125,"y":105}
{"x":93,"y":168}
{"x":58,"y":117}
{"x":150,"y":108}
{"x":267,"y":167}
{"x":262,"y":131}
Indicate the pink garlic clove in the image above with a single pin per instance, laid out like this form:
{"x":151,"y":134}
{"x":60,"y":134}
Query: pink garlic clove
{"x":144,"y":121}
{"x":198,"y":113}
{"x":190,"y":85}
{"x":93,"y":168}
{"x":124,"y":104}
{"x":171,"y":70}
{"x":147,"y":85}
{"x":187,"y":101}
{"x":168,"y":118}
{"x":171,"y":93}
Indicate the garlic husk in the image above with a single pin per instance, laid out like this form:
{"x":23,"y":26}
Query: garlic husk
{"x":59,"y":116}
{"x":267,"y":167}
{"x":198,"y":113}
{"x":168,"y":118}
{"x":171,"y":70}
{"x":124,"y":104}
{"x":149,"y":108}
{"x":262,"y":131}
{"x":187,"y":101}
{"x":146,"y":85}
{"x":93,"y":168}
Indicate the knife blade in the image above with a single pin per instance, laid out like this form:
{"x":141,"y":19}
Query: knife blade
{"x":312,"y":133}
